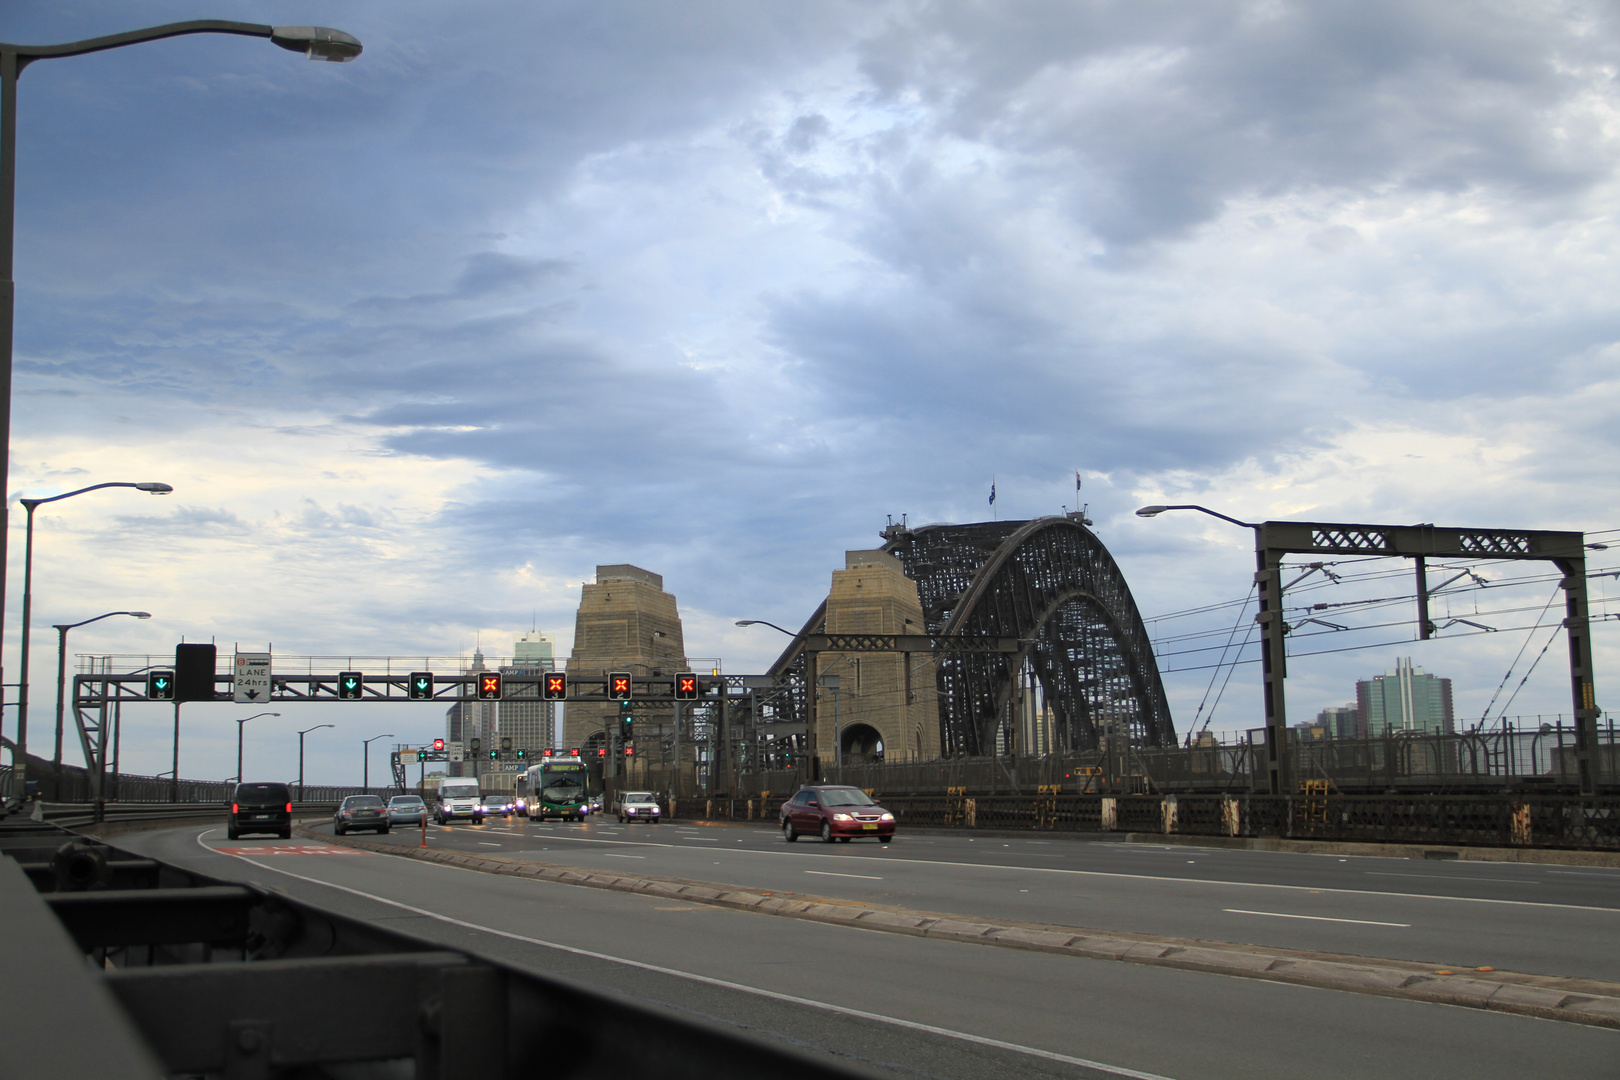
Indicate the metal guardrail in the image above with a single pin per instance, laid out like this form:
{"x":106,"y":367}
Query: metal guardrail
{"x":191,"y":975}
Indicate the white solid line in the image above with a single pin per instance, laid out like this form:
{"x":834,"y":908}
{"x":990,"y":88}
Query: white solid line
{"x":1129,"y":877}
{"x":705,"y":839}
{"x":1315,"y":918}
{"x":828,"y":873}
{"x":616,"y":855}
{"x":859,"y":1014}
{"x":487,"y":843}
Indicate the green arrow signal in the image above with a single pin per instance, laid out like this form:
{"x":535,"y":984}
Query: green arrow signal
{"x":161,"y":683}
{"x":349,"y":683}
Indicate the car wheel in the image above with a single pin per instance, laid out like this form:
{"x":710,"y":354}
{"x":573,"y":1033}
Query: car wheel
{"x":787,"y":831}
{"x":826,"y":832}
{"x":843,"y":839}
{"x":382,"y":830}
{"x":232,"y":834}
{"x":337,"y":830}
{"x":655,"y":821}
{"x":286,"y":834}
{"x":884,"y":839}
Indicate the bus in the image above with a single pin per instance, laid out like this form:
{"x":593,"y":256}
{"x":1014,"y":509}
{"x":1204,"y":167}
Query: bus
{"x":554,"y":788}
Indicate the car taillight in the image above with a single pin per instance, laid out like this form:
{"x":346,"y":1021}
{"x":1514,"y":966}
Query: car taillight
{"x":234,"y":808}
{"x":289,"y":808}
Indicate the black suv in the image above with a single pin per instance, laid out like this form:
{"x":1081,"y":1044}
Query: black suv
{"x":261,"y":808}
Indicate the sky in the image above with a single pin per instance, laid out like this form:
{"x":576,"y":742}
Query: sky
{"x":715,"y":288}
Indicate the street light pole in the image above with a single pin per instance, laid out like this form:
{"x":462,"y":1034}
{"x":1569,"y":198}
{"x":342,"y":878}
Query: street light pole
{"x":365,"y":782}
{"x":20,"y":756}
{"x":61,"y":682}
{"x":315,"y":42}
{"x":239,"y":725}
{"x":301,"y":735}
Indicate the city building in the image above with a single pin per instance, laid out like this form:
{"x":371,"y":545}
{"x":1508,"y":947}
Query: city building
{"x":467,"y":720}
{"x":529,"y":723}
{"x":1407,"y":699}
{"x":1341,"y":721}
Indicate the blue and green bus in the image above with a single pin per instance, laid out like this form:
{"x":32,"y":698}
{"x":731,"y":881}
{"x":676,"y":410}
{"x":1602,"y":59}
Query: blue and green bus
{"x":557,"y":787}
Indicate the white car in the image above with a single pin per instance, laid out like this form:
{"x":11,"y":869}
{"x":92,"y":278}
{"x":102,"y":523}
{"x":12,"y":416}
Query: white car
{"x":637,"y":806}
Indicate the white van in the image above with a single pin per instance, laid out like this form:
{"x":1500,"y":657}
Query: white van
{"x":459,"y":798}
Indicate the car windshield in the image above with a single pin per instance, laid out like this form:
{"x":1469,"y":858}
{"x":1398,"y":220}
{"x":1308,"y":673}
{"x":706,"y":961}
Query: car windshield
{"x":262,"y":793}
{"x":362,"y":802}
{"x":494,"y":800}
{"x":638,"y":796}
{"x":409,"y":802}
{"x":845,"y":797}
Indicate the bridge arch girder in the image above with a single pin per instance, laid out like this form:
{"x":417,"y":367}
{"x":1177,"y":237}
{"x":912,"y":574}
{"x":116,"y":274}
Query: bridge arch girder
{"x":1051,"y":583}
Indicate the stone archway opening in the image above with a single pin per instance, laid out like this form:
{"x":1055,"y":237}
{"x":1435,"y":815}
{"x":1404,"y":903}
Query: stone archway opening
{"x":862,"y":744}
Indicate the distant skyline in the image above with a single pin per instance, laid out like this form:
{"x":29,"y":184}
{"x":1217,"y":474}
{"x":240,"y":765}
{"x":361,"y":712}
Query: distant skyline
{"x":714,"y":288}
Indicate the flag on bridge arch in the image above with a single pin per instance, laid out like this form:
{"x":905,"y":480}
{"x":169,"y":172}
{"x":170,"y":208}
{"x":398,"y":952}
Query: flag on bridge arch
{"x":992,"y":491}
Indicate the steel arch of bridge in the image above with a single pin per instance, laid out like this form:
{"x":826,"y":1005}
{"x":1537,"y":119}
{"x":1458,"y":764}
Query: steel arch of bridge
{"x":1053,"y":585}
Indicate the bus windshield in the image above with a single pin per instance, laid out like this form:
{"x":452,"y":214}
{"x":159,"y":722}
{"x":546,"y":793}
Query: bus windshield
{"x":562,"y":785}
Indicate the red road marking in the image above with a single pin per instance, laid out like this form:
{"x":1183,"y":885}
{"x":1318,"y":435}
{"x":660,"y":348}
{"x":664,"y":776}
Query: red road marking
{"x":291,"y":849}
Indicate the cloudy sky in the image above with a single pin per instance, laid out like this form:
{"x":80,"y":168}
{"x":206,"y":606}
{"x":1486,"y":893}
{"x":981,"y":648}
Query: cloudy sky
{"x":715,"y":287}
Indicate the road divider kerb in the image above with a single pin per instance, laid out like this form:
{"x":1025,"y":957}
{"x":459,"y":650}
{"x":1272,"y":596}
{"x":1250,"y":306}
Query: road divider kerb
{"x":1580,"y":1001}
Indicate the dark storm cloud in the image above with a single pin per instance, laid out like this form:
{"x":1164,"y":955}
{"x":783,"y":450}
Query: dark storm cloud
{"x":1161,"y":112}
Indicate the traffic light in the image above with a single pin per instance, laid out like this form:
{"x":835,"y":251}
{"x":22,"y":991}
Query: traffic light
{"x":555,"y":687}
{"x":421,"y":685}
{"x":686,"y":686}
{"x":494,"y":755}
{"x":489,"y":686}
{"x":629,"y":751}
{"x":160,"y":685}
{"x":522,"y":753}
{"x":351,"y":684}
{"x":506,"y":744}
{"x":473,"y":744}
{"x":438,"y":745}
{"x":627,"y":719}
{"x":619,"y":685}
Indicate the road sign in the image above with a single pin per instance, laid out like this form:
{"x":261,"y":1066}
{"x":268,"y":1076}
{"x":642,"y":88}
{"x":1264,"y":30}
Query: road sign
{"x":408,"y":757}
{"x":455,"y":751}
{"x":250,"y":678}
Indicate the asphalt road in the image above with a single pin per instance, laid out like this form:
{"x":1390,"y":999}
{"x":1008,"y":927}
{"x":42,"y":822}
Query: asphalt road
{"x":888,"y":1004}
{"x":1547,"y":920}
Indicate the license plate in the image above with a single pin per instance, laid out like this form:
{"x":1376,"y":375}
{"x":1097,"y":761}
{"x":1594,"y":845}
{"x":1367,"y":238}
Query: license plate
{"x":868,"y":826}
{"x":261,"y":817}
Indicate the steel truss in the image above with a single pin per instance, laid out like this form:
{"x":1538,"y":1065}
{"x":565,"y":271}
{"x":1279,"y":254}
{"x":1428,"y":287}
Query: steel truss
{"x":1052,"y":585}
{"x":1274,"y":540}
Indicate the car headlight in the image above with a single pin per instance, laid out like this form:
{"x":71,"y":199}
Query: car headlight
{"x":886,"y":816}
{"x":842,"y":817}
{"x":655,"y":810}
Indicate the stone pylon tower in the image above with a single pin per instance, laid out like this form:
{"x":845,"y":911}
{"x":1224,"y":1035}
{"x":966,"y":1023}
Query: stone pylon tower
{"x":877,"y":701}
{"x":626,"y":622}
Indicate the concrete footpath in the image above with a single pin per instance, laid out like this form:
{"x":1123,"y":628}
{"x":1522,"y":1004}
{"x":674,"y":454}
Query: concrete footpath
{"x":1581,"y":1001}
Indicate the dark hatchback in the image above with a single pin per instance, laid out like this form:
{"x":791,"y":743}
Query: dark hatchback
{"x":835,"y":812}
{"x":260,"y":808}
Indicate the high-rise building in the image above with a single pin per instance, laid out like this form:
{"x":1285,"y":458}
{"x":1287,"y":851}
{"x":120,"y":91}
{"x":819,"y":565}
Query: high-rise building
{"x":528,"y":723}
{"x":1341,"y":721}
{"x":1407,"y":699}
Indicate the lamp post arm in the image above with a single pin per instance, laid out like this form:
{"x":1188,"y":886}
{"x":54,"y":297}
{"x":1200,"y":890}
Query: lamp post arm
{"x":31,"y":503}
{"x":26,"y":54}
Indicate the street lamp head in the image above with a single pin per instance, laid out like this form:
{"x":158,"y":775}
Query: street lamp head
{"x":746,"y":622}
{"x":141,"y":614}
{"x":318,"y":42}
{"x":155,"y":489}
{"x":1151,"y":511}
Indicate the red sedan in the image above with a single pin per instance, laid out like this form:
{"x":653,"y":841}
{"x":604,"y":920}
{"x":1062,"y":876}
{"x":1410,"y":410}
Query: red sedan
{"x":835,"y":812}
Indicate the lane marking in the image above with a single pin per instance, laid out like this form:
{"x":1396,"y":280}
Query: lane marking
{"x":489,"y":843}
{"x":705,"y":839}
{"x":1123,"y":877}
{"x":725,"y":984}
{"x":616,"y":855}
{"x":829,"y":873}
{"x":1316,"y":918}
{"x":1585,"y":873}
{"x":1448,"y":877}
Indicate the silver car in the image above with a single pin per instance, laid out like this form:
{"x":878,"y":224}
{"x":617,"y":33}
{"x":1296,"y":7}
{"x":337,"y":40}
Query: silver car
{"x":407,"y":810}
{"x":637,"y":806}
